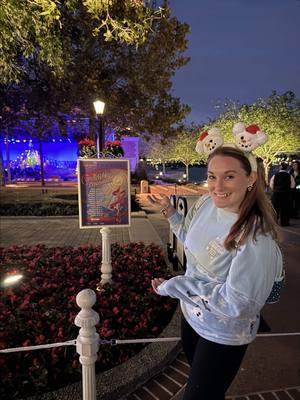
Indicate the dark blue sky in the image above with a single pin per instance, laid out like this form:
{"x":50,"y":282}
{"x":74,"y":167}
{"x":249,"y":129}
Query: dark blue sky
{"x":239,"y":49}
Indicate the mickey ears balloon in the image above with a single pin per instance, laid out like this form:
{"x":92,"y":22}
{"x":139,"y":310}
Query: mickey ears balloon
{"x":209,"y":140}
{"x":248,"y":138}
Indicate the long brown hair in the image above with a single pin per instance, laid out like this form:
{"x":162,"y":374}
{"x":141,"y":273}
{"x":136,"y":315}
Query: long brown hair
{"x":256,"y":213}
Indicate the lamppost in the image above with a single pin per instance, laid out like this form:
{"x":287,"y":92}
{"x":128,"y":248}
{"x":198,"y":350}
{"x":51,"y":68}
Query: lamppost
{"x":99,"y":109}
{"x":106,"y":267}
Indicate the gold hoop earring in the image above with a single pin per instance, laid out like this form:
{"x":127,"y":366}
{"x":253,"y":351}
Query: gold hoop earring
{"x":249,"y":188}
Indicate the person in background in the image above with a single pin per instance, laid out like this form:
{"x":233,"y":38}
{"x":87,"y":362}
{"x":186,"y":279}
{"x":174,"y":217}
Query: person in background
{"x":295,"y":173}
{"x":282,"y":184}
{"x":260,"y":162}
{"x":233,"y":260}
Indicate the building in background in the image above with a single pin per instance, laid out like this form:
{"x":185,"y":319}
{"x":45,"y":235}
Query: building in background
{"x":21,"y":155}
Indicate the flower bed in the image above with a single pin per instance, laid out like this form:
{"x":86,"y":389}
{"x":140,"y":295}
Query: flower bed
{"x":42,"y":308}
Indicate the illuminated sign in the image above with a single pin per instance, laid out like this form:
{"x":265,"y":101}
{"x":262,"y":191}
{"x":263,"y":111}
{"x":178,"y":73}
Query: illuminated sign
{"x":104,"y":193}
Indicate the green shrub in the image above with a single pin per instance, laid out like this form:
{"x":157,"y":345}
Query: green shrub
{"x":38,"y":209}
{"x":41,"y":209}
{"x":69,"y":196}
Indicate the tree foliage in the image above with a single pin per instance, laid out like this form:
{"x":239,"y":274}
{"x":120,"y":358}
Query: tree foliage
{"x":183,"y":147}
{"x":37,"y":29}
{"x":135,"y":82}
{"x":278,"y":116}
{"x":159,"y":151}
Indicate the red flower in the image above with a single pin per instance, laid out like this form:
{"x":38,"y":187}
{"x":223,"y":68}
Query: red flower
{"x":60,"y":333}
{"x":106,"y":323}
{"x":25,"y":305}
{"x":40,"y":339}
{"x":43,"y":308}
{"x":113,"y":143}
{"x":115,"y":310}
{"x":52,"y":327}
{"x":11,"y":295}
{"x":80,"y":259}
{"x":87,"y":142}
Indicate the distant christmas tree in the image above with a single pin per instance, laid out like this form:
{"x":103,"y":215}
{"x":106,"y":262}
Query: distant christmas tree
{"x":30,"y":157}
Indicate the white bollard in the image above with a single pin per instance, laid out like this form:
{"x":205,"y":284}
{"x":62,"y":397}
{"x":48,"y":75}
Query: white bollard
{"x":87,"y":343}
{"x":106,"y":268}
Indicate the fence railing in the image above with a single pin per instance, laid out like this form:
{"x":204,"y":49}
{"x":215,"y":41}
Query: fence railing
{"x":87,"y":342}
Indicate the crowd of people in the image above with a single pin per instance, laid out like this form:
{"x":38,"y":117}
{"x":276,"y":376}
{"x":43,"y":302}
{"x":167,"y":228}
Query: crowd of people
{"x":285,"y":186}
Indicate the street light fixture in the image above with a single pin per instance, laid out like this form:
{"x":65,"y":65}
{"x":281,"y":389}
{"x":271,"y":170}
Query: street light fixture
{"x":99,"y":109}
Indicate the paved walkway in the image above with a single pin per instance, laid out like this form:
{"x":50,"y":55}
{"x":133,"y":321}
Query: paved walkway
{"x":65,"y":231}
{"x":270,"y":363}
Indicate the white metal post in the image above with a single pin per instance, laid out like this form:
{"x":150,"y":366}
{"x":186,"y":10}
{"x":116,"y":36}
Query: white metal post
{"x":87,"y":343}
{"x":106,"y":268}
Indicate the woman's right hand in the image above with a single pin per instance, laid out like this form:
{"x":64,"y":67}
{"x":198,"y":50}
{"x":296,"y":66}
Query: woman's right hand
{"x":159,"y":202}
{"x":162,"y":204}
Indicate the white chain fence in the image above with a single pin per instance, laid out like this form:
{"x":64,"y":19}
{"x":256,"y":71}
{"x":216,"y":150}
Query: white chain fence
{"x":88,"y":341}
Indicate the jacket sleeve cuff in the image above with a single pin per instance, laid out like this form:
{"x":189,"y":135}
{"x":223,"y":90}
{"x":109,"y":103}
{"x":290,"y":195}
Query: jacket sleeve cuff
{"x":175,"y":219}
{"x":161,"y":289}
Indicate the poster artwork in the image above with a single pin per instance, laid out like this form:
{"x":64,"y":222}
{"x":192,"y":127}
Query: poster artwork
{"x":104,"y":193}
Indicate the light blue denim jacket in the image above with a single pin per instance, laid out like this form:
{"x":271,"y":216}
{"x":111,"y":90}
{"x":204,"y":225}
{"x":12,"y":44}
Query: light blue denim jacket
{"x":222,"y":292}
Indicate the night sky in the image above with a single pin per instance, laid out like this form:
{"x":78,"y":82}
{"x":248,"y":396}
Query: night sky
{"x":239,"y":49}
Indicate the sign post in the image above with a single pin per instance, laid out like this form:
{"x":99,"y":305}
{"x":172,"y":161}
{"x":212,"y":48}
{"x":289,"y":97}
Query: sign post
{"x":106,"y":268}
{"x":104,"y":201}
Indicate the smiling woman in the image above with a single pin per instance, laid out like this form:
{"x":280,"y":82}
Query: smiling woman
{"x":233,"y":261}
{"x":236,"y":187}
{"x":228,"y":182}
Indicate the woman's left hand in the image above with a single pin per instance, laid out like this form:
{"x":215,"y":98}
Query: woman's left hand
{"x":156,"y":282}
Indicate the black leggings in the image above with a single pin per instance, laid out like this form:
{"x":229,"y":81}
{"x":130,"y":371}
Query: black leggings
{"x":214,"y":365}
